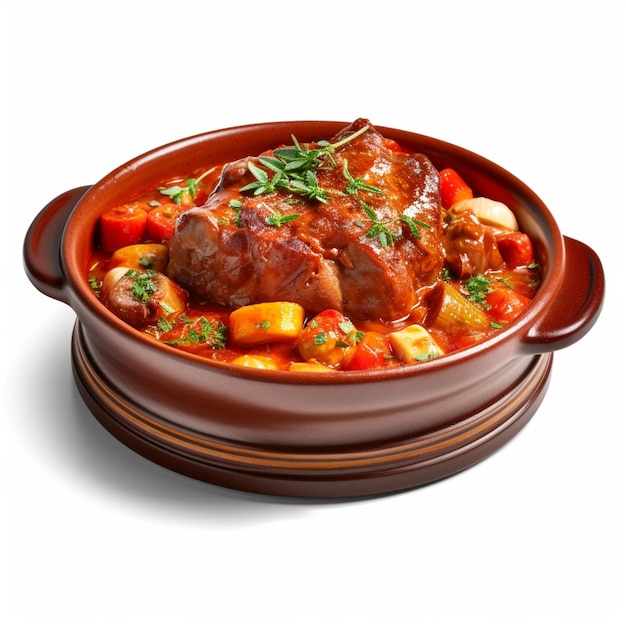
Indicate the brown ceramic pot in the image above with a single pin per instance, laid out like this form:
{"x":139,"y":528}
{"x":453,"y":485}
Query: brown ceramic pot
{"x":306,"y":434}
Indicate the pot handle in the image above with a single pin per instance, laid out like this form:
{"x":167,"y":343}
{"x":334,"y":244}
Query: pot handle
{"x":576,"y":306}
{"x":42,"y":245}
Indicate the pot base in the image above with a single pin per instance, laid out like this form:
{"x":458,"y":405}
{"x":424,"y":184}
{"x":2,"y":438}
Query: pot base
{"x":345,"y":472}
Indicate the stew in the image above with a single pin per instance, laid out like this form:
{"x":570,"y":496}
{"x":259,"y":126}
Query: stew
{"x":349,"y":253}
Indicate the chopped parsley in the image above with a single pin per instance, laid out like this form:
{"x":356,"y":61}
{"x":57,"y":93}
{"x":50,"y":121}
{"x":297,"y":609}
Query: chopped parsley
{"x":95,"y":285}
{"x":201,"y":331}
{"x":263,"y":326}
{"x":319,"y":339}
{"x":477,"y":288}
{"x":143,"y":286}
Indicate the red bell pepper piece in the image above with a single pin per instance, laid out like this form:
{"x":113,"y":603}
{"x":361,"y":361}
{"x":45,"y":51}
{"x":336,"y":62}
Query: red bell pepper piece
{"x":505,"y":304}
{"x":372,"y":352}
{"x":453,"y":188}
{"x":515,"y":248}
{"x":393,"y":145}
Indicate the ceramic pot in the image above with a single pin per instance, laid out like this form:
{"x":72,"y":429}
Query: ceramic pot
{"x":306,"y":434}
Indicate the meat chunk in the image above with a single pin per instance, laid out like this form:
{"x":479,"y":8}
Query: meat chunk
{"x":362,"y":236}
{"x":471,"y":247}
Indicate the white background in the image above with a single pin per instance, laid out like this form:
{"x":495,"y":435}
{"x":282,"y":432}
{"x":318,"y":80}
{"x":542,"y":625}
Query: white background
{"x":94,"y":534}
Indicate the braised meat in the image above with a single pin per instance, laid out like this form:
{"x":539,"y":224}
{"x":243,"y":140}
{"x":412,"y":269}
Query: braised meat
{"x":471,"y":247}
{"x":360,"y":233}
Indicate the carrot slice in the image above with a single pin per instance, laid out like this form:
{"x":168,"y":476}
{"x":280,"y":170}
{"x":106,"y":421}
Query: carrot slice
{"x":122,"y":226}
{"x":162,"y":222}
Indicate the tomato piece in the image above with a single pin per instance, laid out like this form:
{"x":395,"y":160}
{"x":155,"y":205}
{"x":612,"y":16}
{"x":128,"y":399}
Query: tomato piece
{"x":515,"y":248}
{"x":121,"y":226}
{"x":372,"y":352}
{"x":453,"y":188}
{"x":162,"y":222}
{"x":393,"y":145}
{"x":329,"y":338}
{"x":505,"y":304}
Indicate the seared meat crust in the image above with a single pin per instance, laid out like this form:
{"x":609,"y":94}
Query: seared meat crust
{"x":327,"y":257}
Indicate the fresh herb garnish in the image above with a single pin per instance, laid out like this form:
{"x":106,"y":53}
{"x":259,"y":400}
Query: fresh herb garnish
{"x":382,"y":231}
{"x":378,"y":229}
{"x":142,"y":286}
{"x":357,"y":184}
{"x":307,"y":185}
{"x":276,"y":219}
{"x":413,"y":225}
{"x":304,"y":184}
{"x":168,"y":310}
{"x":293,"y":168}
{"x":95,"y":285}
{"x":319,"y":339}
{"x":236,"y":205}
{"x":202,"y":330}
{"x":477,"y":287}
{"x":179,"y":193}
{"x":164,"y":325}
{"x":263,"y":183}
{"x":347,"y":326}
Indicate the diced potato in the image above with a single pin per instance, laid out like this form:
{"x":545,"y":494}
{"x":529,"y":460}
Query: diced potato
{"x":258,"y":362}
{"x":142,"y":256}
{"x":489,"y":212}
{"x":266,"y":322}
{"x":310,"y":366}
{"x":414,"y":343}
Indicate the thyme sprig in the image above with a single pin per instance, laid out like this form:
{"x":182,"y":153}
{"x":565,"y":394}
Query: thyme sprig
{"x":381,"y":230}
{"x":276,"y":219}
{"x":190,"y":189}
{"x":293,"y":168}
{"x":357,"y":184}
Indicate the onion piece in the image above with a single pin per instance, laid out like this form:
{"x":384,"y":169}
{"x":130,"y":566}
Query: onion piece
{"x":489,"y":212}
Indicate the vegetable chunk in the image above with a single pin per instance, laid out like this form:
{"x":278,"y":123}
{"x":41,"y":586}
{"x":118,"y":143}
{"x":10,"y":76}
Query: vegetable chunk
{"x":122,"y":226}
{"x":257,"y":362}
{"x":141,"y":256}
{"x":266,"y":322}
{"x":489,"y":212}
{"x":329,"y":338}
{"x":414,"y":343}
{"x":453,"y":188}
